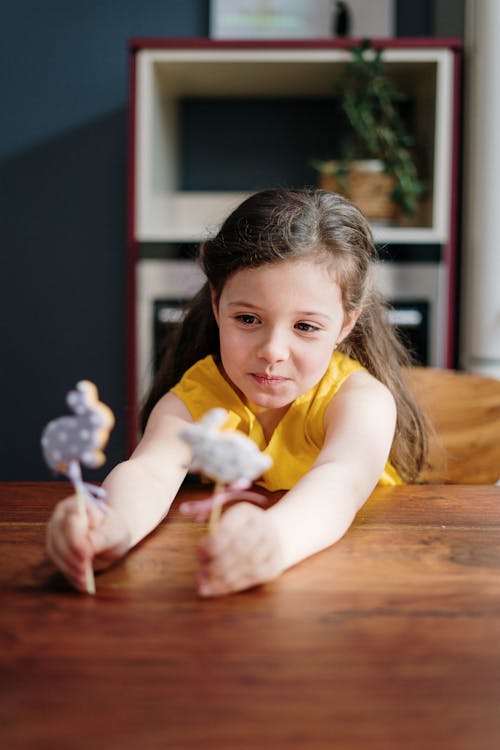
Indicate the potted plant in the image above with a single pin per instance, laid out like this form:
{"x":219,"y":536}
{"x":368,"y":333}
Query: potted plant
{"x":376,"y":156}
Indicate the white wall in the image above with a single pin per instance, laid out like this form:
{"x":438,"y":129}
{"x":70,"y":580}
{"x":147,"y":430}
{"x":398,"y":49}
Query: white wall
{"x":480,"y":346}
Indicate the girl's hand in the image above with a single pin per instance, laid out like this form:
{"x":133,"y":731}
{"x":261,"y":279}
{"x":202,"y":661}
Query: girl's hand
{"x":243,"y":551}
{"x":75,"y":543}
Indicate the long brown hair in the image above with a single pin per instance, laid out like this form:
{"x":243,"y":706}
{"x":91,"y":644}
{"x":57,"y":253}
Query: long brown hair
{"x":277,"y":225}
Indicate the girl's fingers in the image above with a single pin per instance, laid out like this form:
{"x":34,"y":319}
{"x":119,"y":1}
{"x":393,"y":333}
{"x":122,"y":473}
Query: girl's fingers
{"x":244,"y":551}
{"x":239,"y":521}
{"x":110,"y":538}
{"x":73,"y":572}
{"x":243,"y":533}
{"x":59,"y":553}
{"x":212,"y":585}
{"x":215,"y":580}
{"x":95,"y":516}
{"x":77,"y":541}
{"x":69,"y":532}
{"x":68,"y":542}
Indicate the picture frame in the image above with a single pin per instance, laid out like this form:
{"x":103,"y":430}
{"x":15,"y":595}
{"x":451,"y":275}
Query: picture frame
{"x":297,"y":19}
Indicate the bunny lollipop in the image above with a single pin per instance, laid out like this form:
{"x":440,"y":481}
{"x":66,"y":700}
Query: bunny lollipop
{"x":69,"y":440}
{"x":229,"y":457}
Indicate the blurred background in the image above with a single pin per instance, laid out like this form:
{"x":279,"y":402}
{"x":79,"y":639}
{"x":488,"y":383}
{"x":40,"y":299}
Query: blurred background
{"x":63,"y":174}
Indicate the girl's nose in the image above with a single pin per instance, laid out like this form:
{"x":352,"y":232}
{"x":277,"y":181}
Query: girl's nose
{"x":273,"y":346}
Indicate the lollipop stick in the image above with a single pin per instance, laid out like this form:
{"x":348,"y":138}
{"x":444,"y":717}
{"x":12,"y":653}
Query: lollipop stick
{"x":74,"y":473}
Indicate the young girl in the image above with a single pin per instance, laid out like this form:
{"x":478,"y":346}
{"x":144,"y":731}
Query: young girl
{"x":289,"y":335}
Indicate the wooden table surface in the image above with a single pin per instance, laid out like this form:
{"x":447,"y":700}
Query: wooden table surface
{"x":390,"y":639}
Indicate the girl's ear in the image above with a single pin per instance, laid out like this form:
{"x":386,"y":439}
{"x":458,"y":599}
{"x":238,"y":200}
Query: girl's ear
{"x":215,"y":307}
{"x":349,"y":323}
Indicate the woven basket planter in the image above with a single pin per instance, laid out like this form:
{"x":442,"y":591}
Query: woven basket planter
{"x":367,"y":186}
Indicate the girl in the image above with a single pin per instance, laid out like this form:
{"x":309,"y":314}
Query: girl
{"x":290,"y":336}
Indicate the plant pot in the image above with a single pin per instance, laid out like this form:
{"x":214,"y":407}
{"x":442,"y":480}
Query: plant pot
{"x":366,"y":185}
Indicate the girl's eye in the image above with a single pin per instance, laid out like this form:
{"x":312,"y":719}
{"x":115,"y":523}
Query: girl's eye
{"x":246,"y":319}
{"x":306,"y":327}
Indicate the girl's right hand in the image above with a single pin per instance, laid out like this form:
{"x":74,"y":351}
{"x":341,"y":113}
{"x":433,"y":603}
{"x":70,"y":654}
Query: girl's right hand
{"x":75,"y":543}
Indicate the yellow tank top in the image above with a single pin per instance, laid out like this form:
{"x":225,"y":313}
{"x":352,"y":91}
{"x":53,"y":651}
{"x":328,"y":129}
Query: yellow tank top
{"x":298,"y":437}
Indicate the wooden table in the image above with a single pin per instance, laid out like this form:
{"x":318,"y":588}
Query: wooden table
{"x":390,"y":639}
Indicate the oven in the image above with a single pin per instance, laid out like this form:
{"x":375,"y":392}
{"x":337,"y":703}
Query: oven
{"x":414,"y":291}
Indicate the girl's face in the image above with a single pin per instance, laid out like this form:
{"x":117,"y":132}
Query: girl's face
{"x":279,"y":325}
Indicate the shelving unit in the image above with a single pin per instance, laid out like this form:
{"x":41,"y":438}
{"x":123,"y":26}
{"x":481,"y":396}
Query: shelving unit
{"x":166,"y":73}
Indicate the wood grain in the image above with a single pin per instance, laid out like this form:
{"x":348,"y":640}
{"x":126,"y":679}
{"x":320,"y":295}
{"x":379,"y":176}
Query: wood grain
{"x":387,"y":640}
{"x":464,"y":410}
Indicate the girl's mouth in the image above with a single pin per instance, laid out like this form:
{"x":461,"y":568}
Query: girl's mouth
{"x":269,"y":381}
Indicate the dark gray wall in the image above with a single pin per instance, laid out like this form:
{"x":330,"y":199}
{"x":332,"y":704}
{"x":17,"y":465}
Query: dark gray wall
{"x":63,"y":84}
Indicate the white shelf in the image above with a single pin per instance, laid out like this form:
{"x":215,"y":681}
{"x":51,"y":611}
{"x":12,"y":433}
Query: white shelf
{"x":163,"y":76}
{"x":192,"y":217}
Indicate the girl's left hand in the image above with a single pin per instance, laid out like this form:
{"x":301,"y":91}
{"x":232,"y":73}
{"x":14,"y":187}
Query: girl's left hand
{"x":243,"y":551}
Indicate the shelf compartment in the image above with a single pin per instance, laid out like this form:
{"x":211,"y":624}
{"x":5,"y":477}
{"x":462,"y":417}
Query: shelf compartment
{"x":165,"y":78}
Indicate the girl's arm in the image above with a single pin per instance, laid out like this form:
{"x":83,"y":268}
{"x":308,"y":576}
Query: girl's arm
{"x":360,"y":423}
{"x":140,"y":493}
{"x":252,"y":546}
{"x":142,"y":489}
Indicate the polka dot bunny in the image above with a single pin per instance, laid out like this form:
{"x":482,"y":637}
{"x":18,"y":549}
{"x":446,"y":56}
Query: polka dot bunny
{"x":80,"y":437}
{"x":225,"y":456}
{"x":229,"y":457}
